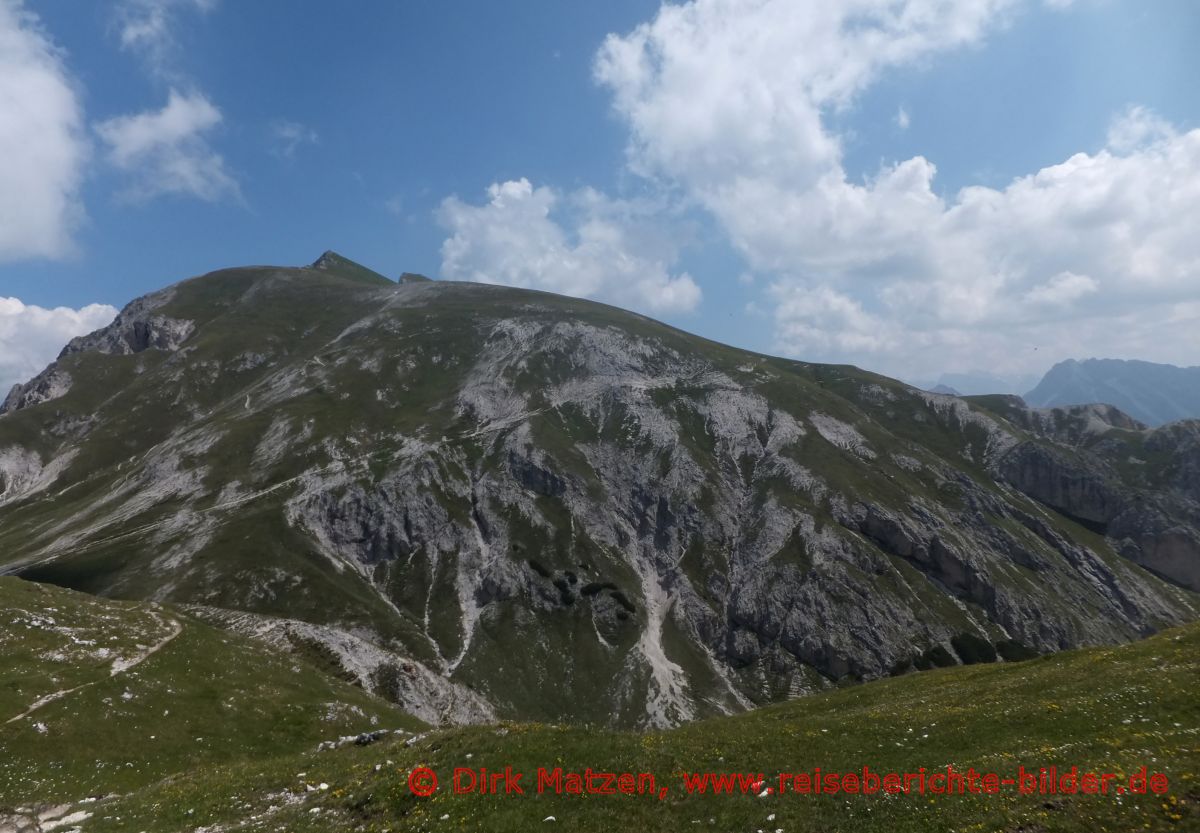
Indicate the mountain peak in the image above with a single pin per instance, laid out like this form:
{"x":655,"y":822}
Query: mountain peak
{"x":331,"y":261}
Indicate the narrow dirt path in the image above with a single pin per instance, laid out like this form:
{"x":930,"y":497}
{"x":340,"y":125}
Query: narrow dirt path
{"x":119,"y":666}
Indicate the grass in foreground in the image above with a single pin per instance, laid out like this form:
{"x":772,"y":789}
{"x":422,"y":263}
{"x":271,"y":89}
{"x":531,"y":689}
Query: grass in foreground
{"x":1106,"y":710}
{"x":125,"y":694}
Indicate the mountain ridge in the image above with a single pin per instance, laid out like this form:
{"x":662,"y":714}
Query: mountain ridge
{"x":1151,"y":392}
{"x":541,"y":498}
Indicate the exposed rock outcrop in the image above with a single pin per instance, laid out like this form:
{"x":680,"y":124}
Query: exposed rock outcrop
{"x":136,"y":328}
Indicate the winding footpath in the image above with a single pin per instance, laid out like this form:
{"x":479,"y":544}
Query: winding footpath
{"x":119,"y":666}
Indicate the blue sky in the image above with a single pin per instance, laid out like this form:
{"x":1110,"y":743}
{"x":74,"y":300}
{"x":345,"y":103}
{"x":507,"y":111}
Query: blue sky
{"x":784,"y":176}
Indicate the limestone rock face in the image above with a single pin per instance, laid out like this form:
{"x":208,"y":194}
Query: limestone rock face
{"x":1071,"y":487}
{"x":136,"y":328}
{"x":564,"y":511}
{"x":51,"y":383}
{"x":1158,"y":528}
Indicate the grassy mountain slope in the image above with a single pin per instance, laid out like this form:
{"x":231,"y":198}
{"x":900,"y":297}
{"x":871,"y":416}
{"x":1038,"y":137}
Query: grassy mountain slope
{"x":1112,"y":709}
{"x":570,"y":511}
{"x":99,"y":696}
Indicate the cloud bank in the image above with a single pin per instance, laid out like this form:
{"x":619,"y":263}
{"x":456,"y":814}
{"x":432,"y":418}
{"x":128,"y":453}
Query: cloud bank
{"x":1094,"y":256}
{"x":43,"y":145}
{"x":606,"y":249}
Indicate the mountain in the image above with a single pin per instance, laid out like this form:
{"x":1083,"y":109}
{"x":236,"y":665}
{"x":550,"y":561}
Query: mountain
{"x":976,"y":383}
{"x":484,"y":502}
{"x":1152,"y":393}
{"x":210,"y":733}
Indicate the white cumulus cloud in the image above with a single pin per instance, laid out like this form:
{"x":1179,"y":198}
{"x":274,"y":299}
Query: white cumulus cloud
{"x":715,"y":90}
{"x":165,"y":151}
{"x":587,"y":245}
{"x":43,"y":146}
{"x":32,"y":336}
{"x":729,"y":100}
{"x":1136,"y":128}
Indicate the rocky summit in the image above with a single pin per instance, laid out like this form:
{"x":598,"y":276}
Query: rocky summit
{"x":484,"y":502}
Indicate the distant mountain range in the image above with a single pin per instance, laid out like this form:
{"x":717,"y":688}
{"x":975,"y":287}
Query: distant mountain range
{"x":975,"y":383}
{"x":1151,"y":393}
